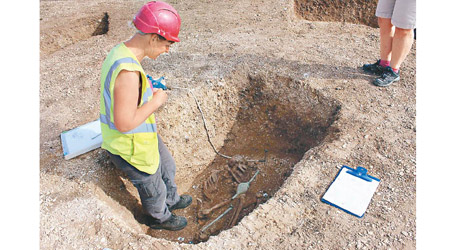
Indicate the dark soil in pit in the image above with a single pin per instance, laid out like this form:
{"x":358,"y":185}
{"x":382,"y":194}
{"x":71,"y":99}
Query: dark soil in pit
{"x":269,"y":136}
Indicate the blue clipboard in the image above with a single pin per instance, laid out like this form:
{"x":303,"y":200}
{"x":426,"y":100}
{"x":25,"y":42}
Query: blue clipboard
{"x":351,"y":190}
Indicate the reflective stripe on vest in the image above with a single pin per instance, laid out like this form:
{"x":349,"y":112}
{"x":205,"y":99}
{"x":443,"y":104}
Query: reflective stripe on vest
{"x":106,"y":119}
{"x":143,"y":128}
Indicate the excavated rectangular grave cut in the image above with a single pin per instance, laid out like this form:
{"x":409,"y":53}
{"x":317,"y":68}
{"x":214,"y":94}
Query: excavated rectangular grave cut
{"x":277,"y":115}
{"x":351,"y":11}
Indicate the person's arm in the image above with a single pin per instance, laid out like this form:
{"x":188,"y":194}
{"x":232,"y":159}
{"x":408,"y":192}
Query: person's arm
{"x":127,"y":114}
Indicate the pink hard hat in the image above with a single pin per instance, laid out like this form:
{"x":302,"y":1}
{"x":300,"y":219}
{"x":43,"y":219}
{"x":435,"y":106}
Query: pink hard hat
{"x":160,"y":18}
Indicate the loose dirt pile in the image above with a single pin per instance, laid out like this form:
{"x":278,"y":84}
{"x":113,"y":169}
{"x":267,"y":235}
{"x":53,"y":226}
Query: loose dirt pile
{"x":267,"y":81}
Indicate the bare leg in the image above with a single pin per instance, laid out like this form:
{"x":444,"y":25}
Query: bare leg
{"x":401,"y":45}
{"x":386,"y":38}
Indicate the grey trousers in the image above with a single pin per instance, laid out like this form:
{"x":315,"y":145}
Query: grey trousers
{"x":157,"y":191}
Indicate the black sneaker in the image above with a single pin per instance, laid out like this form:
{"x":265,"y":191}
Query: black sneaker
{"x":374,"y":68}
{"x":174,"y":223}
{"x":185,"y":201}
{"x":388,"y":77}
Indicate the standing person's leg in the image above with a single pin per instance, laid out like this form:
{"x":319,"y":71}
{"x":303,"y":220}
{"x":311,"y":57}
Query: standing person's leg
{"x":386,"y":37}
{"x":168,"y":170}
{"x":404,"y":20}
{"x":401,"y":45}
{"x":384,"y":14}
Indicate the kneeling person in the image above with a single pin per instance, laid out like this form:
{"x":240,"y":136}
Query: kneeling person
{"x":128,"y":124}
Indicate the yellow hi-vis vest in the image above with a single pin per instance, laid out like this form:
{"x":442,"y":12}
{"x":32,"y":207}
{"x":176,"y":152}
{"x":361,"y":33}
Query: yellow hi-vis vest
{"x":139,"y":147}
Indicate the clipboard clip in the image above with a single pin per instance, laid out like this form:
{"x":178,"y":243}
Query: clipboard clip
{"x":360,"y":172}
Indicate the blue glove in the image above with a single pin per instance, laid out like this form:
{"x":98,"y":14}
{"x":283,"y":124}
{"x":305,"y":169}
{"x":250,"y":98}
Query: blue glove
{"x":157,"y":83}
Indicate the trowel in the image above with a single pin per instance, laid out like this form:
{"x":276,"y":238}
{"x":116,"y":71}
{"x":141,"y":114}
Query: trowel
{"x":243,"y":187}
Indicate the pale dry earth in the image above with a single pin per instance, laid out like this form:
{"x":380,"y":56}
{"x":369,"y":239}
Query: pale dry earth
{"x":223,"y":44}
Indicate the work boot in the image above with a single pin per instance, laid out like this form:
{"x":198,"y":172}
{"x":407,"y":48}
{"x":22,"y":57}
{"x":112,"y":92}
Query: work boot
{"x":374,"y":68}
{"x":174,"y":223}
{"x":185,"y":201}
{"x":388,"y":77}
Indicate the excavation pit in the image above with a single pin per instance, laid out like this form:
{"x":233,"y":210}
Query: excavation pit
{"x":276,"y":123}
{"x":103,"y":26}
{"x":351,"y":11}
{"x":81,"y":28}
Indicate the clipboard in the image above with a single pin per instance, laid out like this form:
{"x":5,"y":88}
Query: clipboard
{"x":82,"y":139}
{"x":351,"y":190}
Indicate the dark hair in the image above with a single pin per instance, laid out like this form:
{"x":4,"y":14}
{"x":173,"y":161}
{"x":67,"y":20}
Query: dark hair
{"x":161,"y":37}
